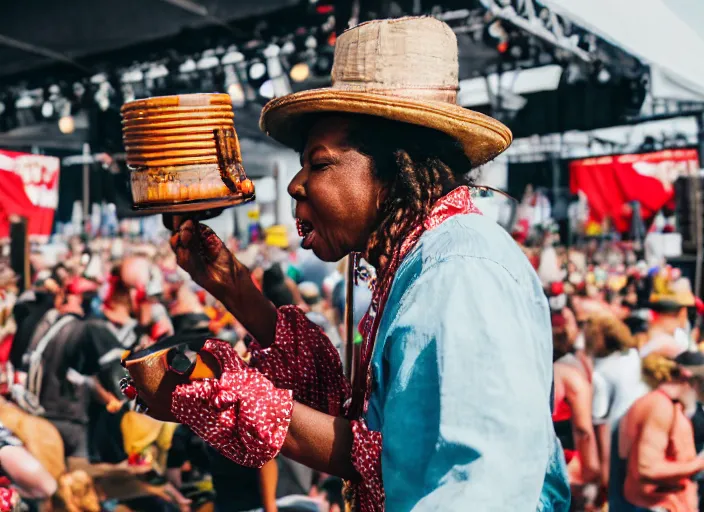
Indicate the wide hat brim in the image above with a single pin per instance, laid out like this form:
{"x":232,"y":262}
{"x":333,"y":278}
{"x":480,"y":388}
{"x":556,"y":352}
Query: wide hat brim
{"x":482,"y":137}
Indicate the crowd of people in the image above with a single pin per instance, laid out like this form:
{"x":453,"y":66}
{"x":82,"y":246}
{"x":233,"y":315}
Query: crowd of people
{"x":70,"y":439}
{"x":629,"y":377}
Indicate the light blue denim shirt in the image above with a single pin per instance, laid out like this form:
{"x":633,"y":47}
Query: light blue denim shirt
{"x":462,"y":376}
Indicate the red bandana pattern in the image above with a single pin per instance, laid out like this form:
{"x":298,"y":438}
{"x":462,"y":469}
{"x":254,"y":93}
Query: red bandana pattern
{"x":246,"y":413}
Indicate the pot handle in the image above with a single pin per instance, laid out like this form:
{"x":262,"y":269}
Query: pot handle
{"x":230,"y":161}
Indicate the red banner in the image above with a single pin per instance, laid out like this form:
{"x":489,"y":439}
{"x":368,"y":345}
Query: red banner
{"x":610,"y":183}
{"x":39,"y":176}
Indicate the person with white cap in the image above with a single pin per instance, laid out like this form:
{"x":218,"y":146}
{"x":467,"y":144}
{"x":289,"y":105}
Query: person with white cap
{"x":450,"y":404}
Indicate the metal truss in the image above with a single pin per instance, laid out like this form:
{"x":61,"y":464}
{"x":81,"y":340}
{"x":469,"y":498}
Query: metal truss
{"x":538,"y":21}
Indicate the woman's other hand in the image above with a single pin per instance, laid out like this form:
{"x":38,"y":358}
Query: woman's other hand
{"x":201,"y":253}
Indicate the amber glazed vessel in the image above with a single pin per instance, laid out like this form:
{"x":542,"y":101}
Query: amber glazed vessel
{"x":157,"y":370}
{"x":183,"y":154}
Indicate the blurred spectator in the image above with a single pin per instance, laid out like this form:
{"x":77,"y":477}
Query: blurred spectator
{"x":331,"y":490}
{"x":24,"y":471}
{"x":668,"y":334}
{"x":320,"y":314}
{"x":572,"y":413}
{"x":653,"y":456}
{"x":28,"y":312}
{"x":62,"y":357}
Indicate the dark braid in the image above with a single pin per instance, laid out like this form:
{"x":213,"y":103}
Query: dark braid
{"x":417,"y":166}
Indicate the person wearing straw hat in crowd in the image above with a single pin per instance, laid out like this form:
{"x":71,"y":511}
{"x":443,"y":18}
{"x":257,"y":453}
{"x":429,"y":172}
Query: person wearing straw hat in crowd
{"x":450,"y":406}
{"x":670,"y":301}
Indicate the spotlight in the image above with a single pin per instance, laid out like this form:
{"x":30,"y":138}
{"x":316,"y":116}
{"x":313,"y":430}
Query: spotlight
{"x":325,"y":9}
{"x":67,"y":124}
{"x":189,"y":66}
{"x":495,"y":34}
{"x":234,"y":87}
{"x":279,"y":78}
{"x":102,"y":96}
{"x":208,"y":61}
{"x":24,"y":101}
{"x":133,"y":76}
{"x":128,"y":93}
{"x":300,"y":72}
{"x":233,"y":56}
{"x":267,"y":90}
{"x":288,"y":48}
{"x":2,"y":108}
{"x":98,"y":79}
{"x":47,"y":109}
{"x":237,"y":94}
{"x":311,"y":42}
{"x":257,"y":70}
{"x":603,"y":76}
{"x":157,"y":71}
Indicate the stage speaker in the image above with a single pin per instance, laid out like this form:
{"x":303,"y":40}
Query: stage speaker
{"x":19,"y":251}
{"x":686,"y":210}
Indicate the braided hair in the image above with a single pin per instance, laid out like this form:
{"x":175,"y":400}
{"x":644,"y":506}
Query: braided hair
{"x":417,"y":166}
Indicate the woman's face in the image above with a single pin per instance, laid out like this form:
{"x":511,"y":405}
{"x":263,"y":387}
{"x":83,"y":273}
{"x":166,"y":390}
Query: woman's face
{"x":336,"y":192}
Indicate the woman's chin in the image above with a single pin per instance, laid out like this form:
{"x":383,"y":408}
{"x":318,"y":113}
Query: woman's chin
{"x":326,"y":253}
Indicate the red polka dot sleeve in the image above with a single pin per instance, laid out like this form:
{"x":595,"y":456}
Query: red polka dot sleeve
{"x":9,"y":499}
{"x":366,"y":459}
{"x":246,"y":418}
{"x":304,"y":360}
{"x":241,"y":414}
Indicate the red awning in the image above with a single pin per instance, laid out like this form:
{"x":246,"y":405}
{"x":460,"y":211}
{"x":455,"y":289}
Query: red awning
{"x":13,"y":201}
{"x":13,"y":198}
{"x":612,"y":182}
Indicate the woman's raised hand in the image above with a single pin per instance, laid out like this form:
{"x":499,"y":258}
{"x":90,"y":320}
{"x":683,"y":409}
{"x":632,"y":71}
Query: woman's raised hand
{"x":201,"y":253}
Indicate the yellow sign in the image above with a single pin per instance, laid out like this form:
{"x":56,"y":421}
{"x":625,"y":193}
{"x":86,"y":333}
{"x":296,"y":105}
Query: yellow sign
{"x":277,"y":236}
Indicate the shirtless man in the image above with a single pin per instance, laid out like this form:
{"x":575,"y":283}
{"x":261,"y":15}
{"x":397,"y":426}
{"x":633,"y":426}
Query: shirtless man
{"x":655,"y":438}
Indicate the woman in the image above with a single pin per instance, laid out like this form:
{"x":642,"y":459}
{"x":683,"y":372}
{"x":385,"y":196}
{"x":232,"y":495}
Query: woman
{"x":456,"y":372}
{"x":617,"y":372}
{"x":572,"y":415}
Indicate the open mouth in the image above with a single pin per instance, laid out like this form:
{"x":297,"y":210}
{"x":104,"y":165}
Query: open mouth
{"x":305,"y":231}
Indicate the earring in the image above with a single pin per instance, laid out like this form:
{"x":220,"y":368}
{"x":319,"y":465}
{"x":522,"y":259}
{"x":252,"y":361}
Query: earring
{"x":128,"y":388}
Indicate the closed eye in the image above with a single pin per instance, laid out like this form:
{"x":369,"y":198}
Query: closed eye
{"x":319,"y":166}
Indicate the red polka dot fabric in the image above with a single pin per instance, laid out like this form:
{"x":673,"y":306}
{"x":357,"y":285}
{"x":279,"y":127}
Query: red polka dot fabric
{"x":8,"y":499}
{"x":366,"y":458}
{"x":246,"y":413}
{"x":304,"y":360}
{"x":241,"y":414}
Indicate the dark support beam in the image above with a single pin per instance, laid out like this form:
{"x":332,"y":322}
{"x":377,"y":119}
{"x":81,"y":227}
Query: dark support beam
{"x":698,"y":199}
{"x":38,"y":50}
{"x":198,"y":10}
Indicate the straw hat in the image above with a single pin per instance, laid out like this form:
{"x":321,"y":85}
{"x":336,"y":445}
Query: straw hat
{"x":402,"y":69}
{"x":671,"y":295}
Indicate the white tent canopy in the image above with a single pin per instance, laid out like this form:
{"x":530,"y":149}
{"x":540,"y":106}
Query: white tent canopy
{"x":666,"y":34}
